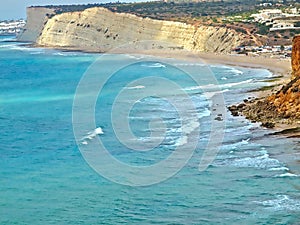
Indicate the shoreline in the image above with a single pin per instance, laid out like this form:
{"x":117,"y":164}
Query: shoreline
{"x":276,"y":66}
{"x":280,"y":68}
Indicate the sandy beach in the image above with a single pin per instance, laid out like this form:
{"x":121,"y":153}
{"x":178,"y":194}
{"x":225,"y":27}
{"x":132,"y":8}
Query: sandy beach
{"x":277,"y":66}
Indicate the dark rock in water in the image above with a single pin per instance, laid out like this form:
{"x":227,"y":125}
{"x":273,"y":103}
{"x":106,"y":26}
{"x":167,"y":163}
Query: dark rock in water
{"x":235,"y":113}
{"x":234,"y":110}
{"x":240,"y":106}
{"x":268,"y":124}
{"x":218,"y":118}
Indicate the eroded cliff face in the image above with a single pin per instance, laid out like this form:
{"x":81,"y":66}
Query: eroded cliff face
{"x":287,"y":100}
{"x":98,"y":29}
{"x":296,"y":57}
{"x":36,"y":20}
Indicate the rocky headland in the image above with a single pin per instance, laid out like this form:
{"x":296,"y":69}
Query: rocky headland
{"x":98,"y":29}
{"x":282,"y":107}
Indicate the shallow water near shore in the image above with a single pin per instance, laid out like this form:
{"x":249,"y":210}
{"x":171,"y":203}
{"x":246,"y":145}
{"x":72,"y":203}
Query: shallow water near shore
{"x":254,"y":178}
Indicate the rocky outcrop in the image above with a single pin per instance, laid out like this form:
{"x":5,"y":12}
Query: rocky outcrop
{"x":283,"y":106}
{"x":36,"y":20}
{"x":296,"y":57}
{"x":100,"y":30}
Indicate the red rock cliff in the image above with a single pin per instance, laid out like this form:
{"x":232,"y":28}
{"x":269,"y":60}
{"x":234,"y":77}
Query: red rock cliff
{"x":287,"y":100}
{"x":296,"y":57}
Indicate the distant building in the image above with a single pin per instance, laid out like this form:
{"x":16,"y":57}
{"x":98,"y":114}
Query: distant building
{"x":267,"y":15}
{"x":283,"y":26}
{"x":11,"y":27}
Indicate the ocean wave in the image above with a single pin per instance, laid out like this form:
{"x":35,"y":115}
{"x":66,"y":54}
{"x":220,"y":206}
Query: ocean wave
{"x":262,"y":162}
{"x":279,"y":168}
{"x":8,"y":46}
{"x":205,"y":113}
{"x":8,"y":39}
{"x":153,"y":65}
{"x":211,"y":94}
{"x":217,"y":86}
{"x":36,"y":53}
{"x":189,"y":64}
{"x":186,"y":130}
{"x":236,"y":71}
{"x":135,"y":87}
{"x":241,"y":130}
{"x":91,"y":135}
{"x":22,"y":48}
{"x":228,"y":69}
{"x":134,"y":57}
{"x":281,"y":203}
{"x":287,"y":175}
{"x":67,"y":53}
{"x":235,"y":145}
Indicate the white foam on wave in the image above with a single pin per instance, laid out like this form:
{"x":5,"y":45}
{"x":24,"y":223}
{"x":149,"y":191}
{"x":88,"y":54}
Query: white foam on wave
{"x":189,"y":64}
{"x":135,"y":56}
{"x":236,"y":71}
{"x":211,"y":94}
{"x":8,"y":39}
{"x":209,"y":87}
{"x":262,"y":161}
{"x":287,"y":175}
{"x":235,"y":145}
{"x":279,"y":168}
{"x":186,"y":130}
{"x":8,"y":46}
{"x":66,"y":53}
{"x":22,"y":48}
{"x":59,"y":53}
{"x":229,"y":69}
{"x":154,"y":65}
{"x":281,"y":203}
{"x":135,"y":87}
{"x":206,"y":112}
{"x":229,"y":85}
{"x":36,"y":53}
{"x":91,"y":135}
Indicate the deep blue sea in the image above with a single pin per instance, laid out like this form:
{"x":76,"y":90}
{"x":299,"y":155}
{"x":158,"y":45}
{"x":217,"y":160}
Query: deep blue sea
{"x":115,"y":139}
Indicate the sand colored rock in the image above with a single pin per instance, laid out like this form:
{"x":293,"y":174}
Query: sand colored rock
{"x":100,"y":30}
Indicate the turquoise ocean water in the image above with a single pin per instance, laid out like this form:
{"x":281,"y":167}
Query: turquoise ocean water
{"x":44,"y":178}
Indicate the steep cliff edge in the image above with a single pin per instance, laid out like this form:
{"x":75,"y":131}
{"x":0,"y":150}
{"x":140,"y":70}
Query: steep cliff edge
{"x":296,"y":57}
{"x":100,"y":30}
{"x":280,"y":107}
{"x":36,"y":19}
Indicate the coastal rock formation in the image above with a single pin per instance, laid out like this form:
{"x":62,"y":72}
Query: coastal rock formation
{"x":283,"y":106}
{"x":36,"y":20}
{"x":99,"y":30}
{"x":296,"y":57}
